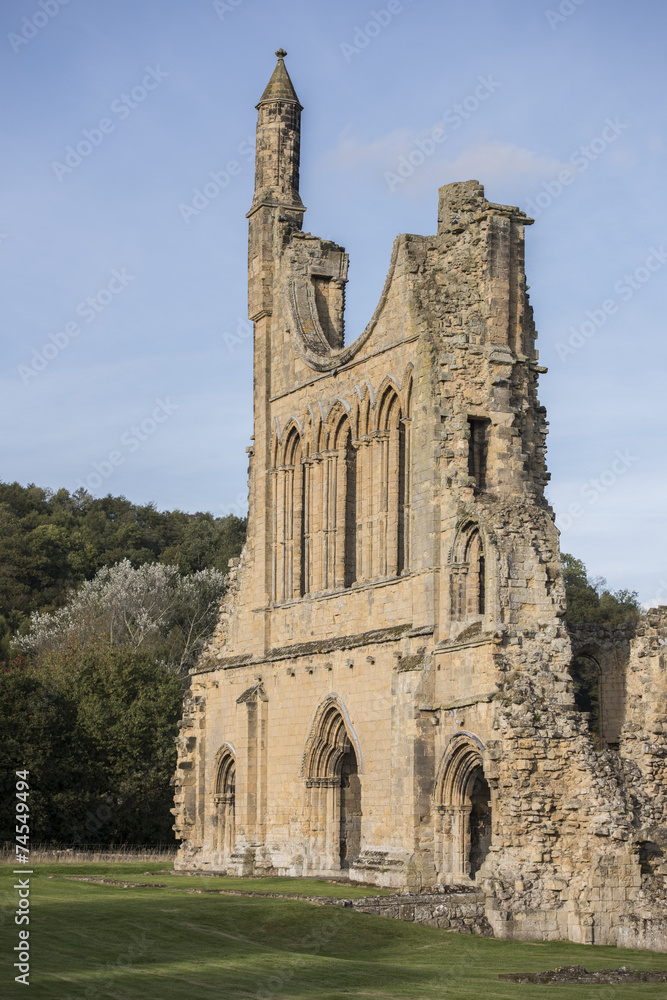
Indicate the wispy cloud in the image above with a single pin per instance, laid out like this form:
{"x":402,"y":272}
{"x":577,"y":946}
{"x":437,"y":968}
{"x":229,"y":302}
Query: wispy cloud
{"x":488,"y":159}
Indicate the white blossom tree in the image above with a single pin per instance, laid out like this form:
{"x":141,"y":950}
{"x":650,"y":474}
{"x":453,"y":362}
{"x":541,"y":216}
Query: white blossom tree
{"x":151,"y":608}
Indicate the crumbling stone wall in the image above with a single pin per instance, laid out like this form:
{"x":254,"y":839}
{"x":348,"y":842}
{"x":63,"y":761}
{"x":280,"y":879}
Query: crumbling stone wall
{"x":389,"y":681}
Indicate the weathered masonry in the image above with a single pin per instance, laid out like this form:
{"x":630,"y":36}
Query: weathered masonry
{"x":389,"y":690}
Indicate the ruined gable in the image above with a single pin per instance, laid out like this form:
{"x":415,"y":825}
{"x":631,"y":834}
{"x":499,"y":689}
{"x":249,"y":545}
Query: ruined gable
{"x":388,"y":693}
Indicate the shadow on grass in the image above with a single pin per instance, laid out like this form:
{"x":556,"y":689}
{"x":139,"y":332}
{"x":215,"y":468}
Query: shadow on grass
{"x":97,"y":941}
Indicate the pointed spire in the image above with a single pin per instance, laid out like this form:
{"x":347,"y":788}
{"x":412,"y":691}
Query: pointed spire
{"x":280,"y":87}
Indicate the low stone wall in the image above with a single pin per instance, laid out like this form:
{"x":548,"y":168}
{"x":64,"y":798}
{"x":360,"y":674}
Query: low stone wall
{"x":462,"y":912}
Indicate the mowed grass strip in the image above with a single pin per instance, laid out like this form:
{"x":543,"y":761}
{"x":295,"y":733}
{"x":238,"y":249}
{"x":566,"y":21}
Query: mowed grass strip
{"x":96,"y":941}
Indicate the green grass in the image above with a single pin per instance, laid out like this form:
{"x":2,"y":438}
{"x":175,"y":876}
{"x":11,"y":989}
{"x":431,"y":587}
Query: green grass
{"x":136,"y":871}
{"x":92,"y":941}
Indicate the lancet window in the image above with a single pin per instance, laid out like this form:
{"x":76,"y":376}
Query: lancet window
{"x":384,"y":492}
{"x":288,"y":521}
{"x":468,"y":574}
{"x":341,"y":503}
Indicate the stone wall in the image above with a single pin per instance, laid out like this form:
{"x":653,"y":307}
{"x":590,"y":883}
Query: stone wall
{"x":387,"y":693}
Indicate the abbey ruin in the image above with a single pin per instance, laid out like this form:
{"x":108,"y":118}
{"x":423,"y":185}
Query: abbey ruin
{"x":388,"y":695}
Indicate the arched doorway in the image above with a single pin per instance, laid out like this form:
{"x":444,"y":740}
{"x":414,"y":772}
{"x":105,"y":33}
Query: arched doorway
{"x":350,"y":809}
{"x":480,"y":822}
{"x":331,"y":768}
{"x":463,"y":804}
{"x":224,"y":797}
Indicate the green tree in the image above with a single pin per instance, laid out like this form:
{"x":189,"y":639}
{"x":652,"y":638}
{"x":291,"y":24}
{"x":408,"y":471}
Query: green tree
{"x":590,"y":601}
{"x":51,"y":542}
{"x":95,"y":727}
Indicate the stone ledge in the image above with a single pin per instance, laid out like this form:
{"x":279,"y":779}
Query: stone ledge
{"x":474,"y":699}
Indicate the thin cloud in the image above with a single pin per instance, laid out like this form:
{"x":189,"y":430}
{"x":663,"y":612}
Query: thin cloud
{"x":392,"y":156}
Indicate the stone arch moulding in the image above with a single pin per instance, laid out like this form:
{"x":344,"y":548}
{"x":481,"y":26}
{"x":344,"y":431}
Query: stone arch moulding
{"x":470,"y":570}
{"x":338,"y":413}
{"x":308,"y":337}
{"x":314,"y":732}
{"x":462,"y":801}
{"x":224,"y":751}
{"x":333,"y":791}
{"x":224,"y":799}
{"x":464,"y":746}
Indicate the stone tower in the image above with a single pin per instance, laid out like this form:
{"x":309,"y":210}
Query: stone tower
{"x":388,"y":693}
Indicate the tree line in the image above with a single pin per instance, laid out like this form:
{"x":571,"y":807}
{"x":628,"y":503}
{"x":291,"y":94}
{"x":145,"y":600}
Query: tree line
{"x":104,"y":607}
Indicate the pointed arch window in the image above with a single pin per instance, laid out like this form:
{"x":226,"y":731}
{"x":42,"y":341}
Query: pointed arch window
{"x":346,"y":506}
{"x":468,"y":575}
{"x":385,"y":484}
{"x":288,"y":521}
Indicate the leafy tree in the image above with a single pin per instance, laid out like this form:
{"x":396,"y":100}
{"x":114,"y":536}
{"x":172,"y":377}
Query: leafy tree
{"x":52,"y":541}
{"x":106,"y":604}
{"x":95,"y":727}
{"x":590,"y":601}
{"x":152,"y":608}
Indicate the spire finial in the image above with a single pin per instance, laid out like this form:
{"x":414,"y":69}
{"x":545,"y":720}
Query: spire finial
{"x":280,"y":86}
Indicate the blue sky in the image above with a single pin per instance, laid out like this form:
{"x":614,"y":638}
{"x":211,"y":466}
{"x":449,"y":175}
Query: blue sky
{"x":128,"y":364}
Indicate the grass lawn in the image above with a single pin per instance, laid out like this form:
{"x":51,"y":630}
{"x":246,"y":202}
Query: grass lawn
{"x":96,"y":941}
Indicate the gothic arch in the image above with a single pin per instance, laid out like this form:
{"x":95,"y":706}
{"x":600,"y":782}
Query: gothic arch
{"x":585,"y":670}
{"x":339,"y":412}
{"x":331,"y":727}
{"x":287,"y":513}
{"x":462,"y":799}
{"x":469,"y":574}
{"x":291,"y":439}
{"x":366,"y":410}
{"x":384,"y":486}
{"x":330,"y":505}
{"x":389,"y":405}
{"x":331,"y":767}
{"x":224,"y":799}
